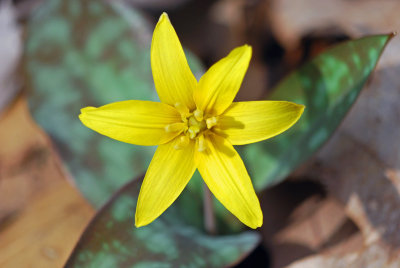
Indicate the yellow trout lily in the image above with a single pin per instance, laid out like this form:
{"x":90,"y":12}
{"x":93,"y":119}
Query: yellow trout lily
{"x":195,"y":125}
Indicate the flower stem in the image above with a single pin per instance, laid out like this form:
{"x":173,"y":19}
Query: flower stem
{"x":209,"y":216}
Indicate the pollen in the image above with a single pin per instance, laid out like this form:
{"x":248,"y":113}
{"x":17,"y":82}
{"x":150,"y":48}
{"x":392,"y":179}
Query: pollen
{"x":198,"y":114}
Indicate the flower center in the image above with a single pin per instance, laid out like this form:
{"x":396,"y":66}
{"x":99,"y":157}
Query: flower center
{"x":194,"y":126}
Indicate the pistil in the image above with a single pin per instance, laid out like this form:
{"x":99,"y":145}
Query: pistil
{"x":194,"y":126}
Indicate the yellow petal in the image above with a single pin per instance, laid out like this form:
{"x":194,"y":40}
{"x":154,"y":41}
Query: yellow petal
{"x":253,"y":121}
{"x":172,"y":76}
{"x":225,"y":174}
{"x":220,"y":84}
{"x":136,"y":122}
{"x":168,"y":173}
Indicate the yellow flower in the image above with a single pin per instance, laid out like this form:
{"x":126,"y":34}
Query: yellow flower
{"x":195,"y":126}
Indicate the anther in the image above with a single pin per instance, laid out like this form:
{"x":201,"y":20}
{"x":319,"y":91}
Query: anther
{"x":212,"y":121}
{"x":175,"y":127}
{"x":182,"y":142}
{"x":193,"y":130}
{"x":198,"y":114}
{"x":193,"y":121}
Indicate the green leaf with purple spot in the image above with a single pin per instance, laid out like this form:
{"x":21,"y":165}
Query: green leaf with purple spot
{"x":89,"y":53}
{"x":328,"y":86}
{"x":112,"y":240}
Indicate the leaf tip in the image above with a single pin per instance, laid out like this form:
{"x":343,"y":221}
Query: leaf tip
{"x":392,"y":34}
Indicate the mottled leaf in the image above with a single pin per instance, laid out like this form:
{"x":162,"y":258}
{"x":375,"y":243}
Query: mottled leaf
{"x":86,"y":53}
{"x":111,"y":240}
{"x":361,"y":169}
{"x":89,"y":53}
{"x":328,"y":85}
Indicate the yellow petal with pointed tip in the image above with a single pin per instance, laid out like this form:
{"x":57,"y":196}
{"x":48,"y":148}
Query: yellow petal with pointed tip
{"x":225,"y":175}
{"x":169,"y":172}
{"x":253,"y":121}
{"x":173,"y":79}
{"x":220,"y":84}
{"x":136,"y":122}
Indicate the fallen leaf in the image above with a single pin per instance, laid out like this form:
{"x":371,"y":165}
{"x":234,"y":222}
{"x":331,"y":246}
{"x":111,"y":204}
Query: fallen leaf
{"x":41,"y":214}
{"x":10,"y":52}
{"x":291,"y":20}
{"x":157,"y":4}
{"x":374,"y":255}
{"x":316,"y":224}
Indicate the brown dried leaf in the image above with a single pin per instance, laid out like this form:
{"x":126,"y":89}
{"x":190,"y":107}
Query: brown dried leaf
{"x":315,"y":225}
{"x":291,"y":20}
{"x":41,"y":214}
{"x":374,"y":255}
{"x":157,"y":4}
{"x":10,"y":52}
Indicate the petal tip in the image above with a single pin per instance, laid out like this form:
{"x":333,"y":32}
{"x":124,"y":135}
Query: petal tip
{"x":164,"y":16}
{"x":258,"y":222}
{"x":87,"y":109}
{"x":142,"y":221}
{"x":138,"y":223}
{"x":81,"y":118}
{"x":301,"y":108}
{"x":247,"y":48}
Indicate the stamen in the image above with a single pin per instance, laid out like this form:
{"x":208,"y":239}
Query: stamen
{"x":193,"y":121}
{"x":198,"y":114}
{"x":212,"y":121}
{"x":175,"y":127}
{"x":201,"y":143}
{"x":193,"y":130}
{"x":182,"y":142}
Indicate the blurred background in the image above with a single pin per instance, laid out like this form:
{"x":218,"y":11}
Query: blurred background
{"x":339,"y":209}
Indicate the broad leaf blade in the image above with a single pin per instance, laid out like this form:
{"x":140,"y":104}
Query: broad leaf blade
{"x":111,"y":240}
{"x":328,"y":85}
{"x":89,"y":53}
